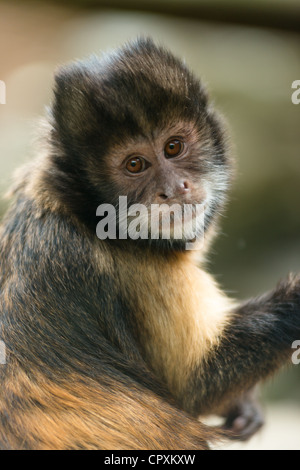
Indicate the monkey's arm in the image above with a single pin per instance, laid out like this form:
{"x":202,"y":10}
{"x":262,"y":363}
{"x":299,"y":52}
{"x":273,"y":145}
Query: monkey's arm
{"x":254,"y":344}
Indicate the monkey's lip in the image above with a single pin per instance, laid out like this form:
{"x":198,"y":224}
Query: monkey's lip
{"x":189,"y":214}
{"x":184,"y":215}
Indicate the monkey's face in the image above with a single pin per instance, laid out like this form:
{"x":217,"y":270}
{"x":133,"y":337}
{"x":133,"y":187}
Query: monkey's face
{"x":170,"y":173}
{"x":137,"y":124}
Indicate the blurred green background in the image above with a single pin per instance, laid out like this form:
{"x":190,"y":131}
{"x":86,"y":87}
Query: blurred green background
{"x":248,"y":53}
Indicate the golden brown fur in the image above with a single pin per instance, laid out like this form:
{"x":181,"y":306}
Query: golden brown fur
{"x":122,"y":344}
{"x":80,"y":414}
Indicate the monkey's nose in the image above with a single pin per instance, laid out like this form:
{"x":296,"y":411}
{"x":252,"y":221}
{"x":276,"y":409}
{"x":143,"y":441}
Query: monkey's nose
{"x":179,"y":190}
{"x":183,"y":187}
{"x":163,"y":197}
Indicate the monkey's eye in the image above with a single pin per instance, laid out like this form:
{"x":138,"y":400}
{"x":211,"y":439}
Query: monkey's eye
{"x":173,"y":148}
{"x":136,"y":165}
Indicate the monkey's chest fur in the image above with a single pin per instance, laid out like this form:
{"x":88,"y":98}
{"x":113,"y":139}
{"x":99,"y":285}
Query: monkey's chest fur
{"x":85,"y":301}
{"x":175,"y":323}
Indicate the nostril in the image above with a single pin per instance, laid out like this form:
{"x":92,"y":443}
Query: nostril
{"x":183,"y":187}
{"x":163,"y":196}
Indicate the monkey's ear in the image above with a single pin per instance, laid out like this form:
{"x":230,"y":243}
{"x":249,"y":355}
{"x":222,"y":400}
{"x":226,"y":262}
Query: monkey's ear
{"x":74,"y":108}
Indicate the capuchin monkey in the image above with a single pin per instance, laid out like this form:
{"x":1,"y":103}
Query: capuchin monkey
{"x":123,"y":343}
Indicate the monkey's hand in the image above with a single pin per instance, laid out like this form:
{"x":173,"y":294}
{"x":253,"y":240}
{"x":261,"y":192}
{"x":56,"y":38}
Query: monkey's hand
{"x":244,"y":417}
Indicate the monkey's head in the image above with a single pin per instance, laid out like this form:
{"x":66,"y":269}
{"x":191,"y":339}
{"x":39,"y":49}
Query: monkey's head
{"x":137,"y":123}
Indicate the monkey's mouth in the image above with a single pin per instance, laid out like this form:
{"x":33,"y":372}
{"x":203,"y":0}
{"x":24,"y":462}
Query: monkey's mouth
{"x":173,"y":222}
{"x":187,"y":213}
{"x":184,"y":223}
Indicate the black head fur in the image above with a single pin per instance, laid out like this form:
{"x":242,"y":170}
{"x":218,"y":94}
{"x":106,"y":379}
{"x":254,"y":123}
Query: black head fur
{"x":99,"y":102}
